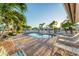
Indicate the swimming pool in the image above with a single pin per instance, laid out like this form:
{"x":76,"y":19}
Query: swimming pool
{"x":38,"y":35}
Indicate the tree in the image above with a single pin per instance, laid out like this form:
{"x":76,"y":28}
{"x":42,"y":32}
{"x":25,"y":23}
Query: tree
{"x":41,"y":25}
{"x":68,"y":25}
{"x":28,"y":27}
{"x":12,"y":14}
{"x":35,"y":28}
{"x":52,"y":25}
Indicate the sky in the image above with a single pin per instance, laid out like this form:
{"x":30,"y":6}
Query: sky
{"x":44,"y":13}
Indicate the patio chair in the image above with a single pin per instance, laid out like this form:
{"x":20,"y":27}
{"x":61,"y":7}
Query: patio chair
{"x":73,"y":39}
{"x":69,"y":43}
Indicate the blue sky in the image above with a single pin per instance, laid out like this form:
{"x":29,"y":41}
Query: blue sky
{"x":44,"y":13}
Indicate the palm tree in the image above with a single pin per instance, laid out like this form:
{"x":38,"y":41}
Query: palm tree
{"x":52,"y":25}
{"x":68,"y":25}
{"x":12,"y":14}
{"x":41,"y":26}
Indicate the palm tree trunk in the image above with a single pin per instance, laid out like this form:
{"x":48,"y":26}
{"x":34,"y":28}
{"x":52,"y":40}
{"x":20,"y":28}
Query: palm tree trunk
{"x":54,"y":30}
{"x":2,"y":32}
{"x":71,"y":31}
{"x":65,"y":30}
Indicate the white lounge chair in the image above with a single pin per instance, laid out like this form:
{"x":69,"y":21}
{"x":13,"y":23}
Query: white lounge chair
{"x":73,"y":39}
{"x":69,"y":43}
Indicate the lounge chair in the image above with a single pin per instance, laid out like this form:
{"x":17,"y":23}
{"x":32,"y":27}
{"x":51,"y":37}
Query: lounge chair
{"x":74,"y":39}
{"x":69,"y":43}
{"x":72,"y":47}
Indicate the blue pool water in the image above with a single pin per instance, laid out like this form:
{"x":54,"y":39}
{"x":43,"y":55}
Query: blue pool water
{"x":37,"y":35}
